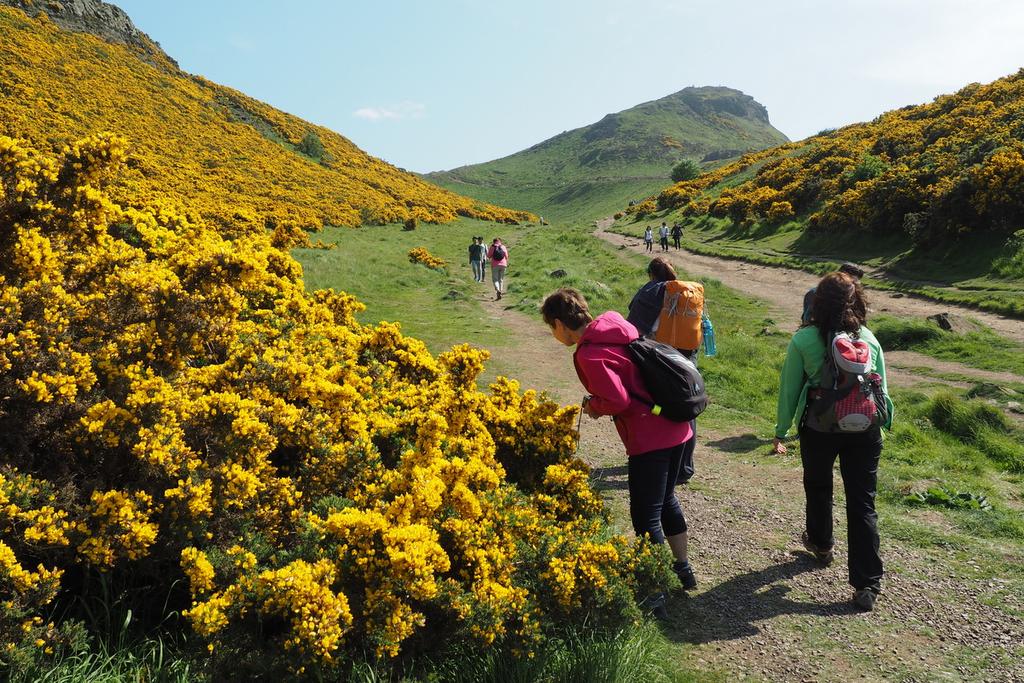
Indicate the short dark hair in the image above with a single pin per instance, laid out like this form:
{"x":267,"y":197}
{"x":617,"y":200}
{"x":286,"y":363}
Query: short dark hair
{"x":661,"y":270}
{"x":839,"y":305}
{"x":852,"y":269}
{"x":569,"y":306}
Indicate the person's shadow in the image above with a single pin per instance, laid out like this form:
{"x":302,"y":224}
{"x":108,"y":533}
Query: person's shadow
{"x":733,"y":609}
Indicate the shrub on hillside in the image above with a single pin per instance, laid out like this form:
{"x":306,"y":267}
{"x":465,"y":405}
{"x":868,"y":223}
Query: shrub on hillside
{"x":1011,"y":263}
{"x":179,"y":415}
{"x":312,"y":146}
{"x":409,"y":224}
{"x":687,"y":169}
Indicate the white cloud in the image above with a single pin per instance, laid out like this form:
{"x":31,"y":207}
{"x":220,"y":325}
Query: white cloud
{"x":402,"y":110}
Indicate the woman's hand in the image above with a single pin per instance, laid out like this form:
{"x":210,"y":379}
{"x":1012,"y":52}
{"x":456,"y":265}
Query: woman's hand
{"x":589,"y":410}
{"x":778,"y":448}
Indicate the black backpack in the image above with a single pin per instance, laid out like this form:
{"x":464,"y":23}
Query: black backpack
{"x":499,"y":252}
{"x":672,"y":380}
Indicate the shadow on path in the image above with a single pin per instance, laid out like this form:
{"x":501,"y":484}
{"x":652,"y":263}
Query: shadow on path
{"x":743,"y":443}
{"x":732,"y":609}
{"x":610,"y":478}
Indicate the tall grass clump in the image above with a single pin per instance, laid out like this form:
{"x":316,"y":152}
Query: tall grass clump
{"x":981,"y":425}
{"x":897,"y":334}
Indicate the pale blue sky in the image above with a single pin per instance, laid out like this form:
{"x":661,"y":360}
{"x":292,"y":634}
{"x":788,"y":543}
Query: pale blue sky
{"x":436,"y":84}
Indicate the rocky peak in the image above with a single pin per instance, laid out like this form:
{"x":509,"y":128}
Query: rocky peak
{"x":101,"y":19}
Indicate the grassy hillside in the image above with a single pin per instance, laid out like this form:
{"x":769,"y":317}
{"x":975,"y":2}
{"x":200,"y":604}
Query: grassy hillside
{"x":621,"y":156}
{"x":932,"y":194}
{"x":230,"y":158}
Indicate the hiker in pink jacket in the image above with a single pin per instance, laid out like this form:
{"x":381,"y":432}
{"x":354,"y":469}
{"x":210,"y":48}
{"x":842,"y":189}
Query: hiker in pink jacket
{"x":654,"y":444}
{"x":497,"y":254}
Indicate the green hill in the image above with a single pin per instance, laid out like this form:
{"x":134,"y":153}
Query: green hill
{"x":624,"y":155}
{"x":931,"y":195}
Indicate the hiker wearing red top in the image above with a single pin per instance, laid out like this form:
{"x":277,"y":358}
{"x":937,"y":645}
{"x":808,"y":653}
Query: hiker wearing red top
{"x":497,"y":254}
{"x":653,"y":443}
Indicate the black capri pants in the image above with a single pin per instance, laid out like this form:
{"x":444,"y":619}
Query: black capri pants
{"x":653,"y":506}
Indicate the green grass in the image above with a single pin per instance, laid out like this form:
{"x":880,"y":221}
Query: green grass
{"x":978,"y":349}
{"x":148,"y":660}
{"x":636,"y":654}
{"x":372,"y":263}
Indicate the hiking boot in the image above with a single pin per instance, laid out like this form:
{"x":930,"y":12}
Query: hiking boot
{"x":822,"y":555}
{"x":654,"y":605}
{"x":499,"y":295}
{"x":685,"y":574}
{"x":865,"y":598}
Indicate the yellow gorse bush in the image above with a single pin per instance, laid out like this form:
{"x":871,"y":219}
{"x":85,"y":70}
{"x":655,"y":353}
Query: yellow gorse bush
{"x":931,"y":171}
{"x":421,"y":255}
{"x":230,"y":159}
{"x":177,"y":408}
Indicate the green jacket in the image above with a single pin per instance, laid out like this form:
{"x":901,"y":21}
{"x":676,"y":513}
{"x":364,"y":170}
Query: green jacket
{"x":802,"y":371}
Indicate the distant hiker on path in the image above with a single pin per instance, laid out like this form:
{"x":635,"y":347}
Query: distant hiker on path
{"x":677,"y":234}
{"x":849,"y":268}
{"x":827,"y":418}
{"x":498,"y":256}
{"x":649,"y":239}
{"x":477,"y":250}
{"x":663,"y":235}
{"x":654,"y":444}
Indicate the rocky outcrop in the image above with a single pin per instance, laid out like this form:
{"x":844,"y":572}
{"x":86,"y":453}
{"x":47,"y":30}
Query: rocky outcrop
{"x":100,"y":19}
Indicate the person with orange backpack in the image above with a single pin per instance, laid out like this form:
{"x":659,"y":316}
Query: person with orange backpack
{"x":671,"y":311}
{"x":833,"y":382}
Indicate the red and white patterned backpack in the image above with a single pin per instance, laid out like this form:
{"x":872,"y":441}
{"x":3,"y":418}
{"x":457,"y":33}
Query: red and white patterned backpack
{"x":851,"y":398}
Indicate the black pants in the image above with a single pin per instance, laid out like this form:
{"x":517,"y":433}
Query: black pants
{"x":686,"y":466}
{"x":858,"y":464}
{"x":676,"y":241}
{"x":653,"y":505}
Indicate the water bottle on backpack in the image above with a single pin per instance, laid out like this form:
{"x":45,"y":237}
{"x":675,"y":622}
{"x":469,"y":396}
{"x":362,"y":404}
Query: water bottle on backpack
{"x":708,"y":332}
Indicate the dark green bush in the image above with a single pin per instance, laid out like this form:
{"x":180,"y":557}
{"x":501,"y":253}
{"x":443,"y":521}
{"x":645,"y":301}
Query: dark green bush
{"x":869,"y":167}
{"x":312,"y":146}
{"x":687,"y":169}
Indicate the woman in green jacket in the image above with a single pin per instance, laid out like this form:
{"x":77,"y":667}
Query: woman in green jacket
{"x":839,"y":306}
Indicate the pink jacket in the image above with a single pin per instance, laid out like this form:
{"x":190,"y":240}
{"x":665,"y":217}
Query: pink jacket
{"x":608,"y":373}
{"x":497,"y":262}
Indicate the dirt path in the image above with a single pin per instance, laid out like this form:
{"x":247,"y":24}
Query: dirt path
{"x":907,"y":360}
{"x":764,"y":610}
{"x":784,"y":287}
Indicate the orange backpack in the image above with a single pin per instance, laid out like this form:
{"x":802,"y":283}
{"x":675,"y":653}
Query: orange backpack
{"x":681,"y":310}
